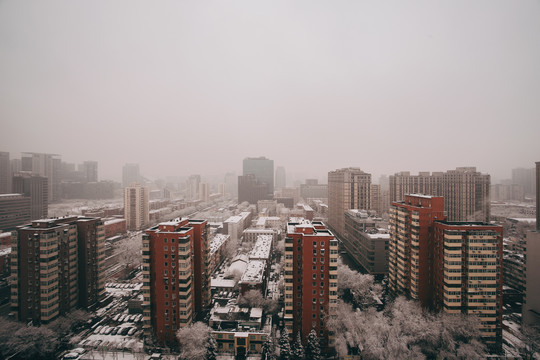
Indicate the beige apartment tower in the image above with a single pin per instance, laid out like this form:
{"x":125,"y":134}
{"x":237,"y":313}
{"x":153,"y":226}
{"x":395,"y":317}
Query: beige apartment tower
{"x":466,"y":191}
{"x":136,"y":207}
{"x":348,"y":188}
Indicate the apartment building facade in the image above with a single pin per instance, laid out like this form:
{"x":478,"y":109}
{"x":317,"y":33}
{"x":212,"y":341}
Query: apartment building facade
{"x":311,"y":255}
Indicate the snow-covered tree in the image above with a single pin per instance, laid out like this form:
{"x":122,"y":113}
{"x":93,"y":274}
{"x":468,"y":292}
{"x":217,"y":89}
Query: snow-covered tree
{"x":195,"y":341}
{"x":359,"y":288}
{"x":297,"y":349}
{"x":313,"y":348}
{"x":284,"y":346}
{"x":269,"y":348}
{"x":405,"y":331}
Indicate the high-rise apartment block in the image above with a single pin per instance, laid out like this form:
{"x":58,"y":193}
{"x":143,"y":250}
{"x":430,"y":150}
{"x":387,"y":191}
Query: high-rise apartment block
{"x":525,"y":178}
{"x":130,"y":174}
{"x":47,"y":165}
{"x":90,"y":171}
{"x":410,"y":247}
{"x":311,"y":255}
{"x":531,"y":305}
{"x":465,"y":191}
{"x":14,"y":211}
{"x":136,"y":206}
{"x":175,"y":276}
{"x":36,"y":188}
{"x":5,"y":173}
{"x":455,"y":267}
{"x":56,"y":265}
{"x":263,"y":170}
{"x":193,"y":183}
{"x":348,"y":188}
{"x":365,"y":243}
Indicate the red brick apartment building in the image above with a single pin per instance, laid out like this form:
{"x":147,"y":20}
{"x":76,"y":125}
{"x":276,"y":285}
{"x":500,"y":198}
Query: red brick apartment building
{"x":311,"y":254}
{"x":455,"y":267}
{"x":175,"y":276}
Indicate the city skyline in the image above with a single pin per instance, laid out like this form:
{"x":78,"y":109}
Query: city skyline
{"x":456,"y":83}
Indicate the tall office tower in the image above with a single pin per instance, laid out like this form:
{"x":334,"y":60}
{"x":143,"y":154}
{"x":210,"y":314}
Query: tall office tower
{"x":136,"y":206}
{"x":348,"y":188}
{"x":175,"y":277}
{"x":525,"y":178}
{"x":465,"y":191}
{"x":311,"y":255}
{"x":467,"y":271}
{"x":130,"y":174}
{"x":466,"y":194}
{"x":263,"y":169}
{"x":411,"y":224}
{"x":91,"y":244}
{"x":204,"y":191}
{"x":90,"y":169}
{"x":251,"y":190}
{"x":47,"y":165}
{"x":44,"y":271}
{"x":14,"y":211}
{"x":5,"y":173}
{"x":531,"y":304}
{"x":455,"y":267}
{"x":193,"y":187}
{"x":35,"y":187}
{"x":57,"y":264}
{"x":281,"y":177}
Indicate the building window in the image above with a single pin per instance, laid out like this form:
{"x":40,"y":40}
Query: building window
{"x":164,"y":240}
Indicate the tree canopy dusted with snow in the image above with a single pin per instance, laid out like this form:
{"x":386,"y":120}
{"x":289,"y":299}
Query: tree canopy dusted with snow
{"x":297,"y":349}
{"x":284,"y":346}
{"x":313,"y":348}
{"x":196,"y":342}
{"x":359,"y":288}
{"x":405,"y":331}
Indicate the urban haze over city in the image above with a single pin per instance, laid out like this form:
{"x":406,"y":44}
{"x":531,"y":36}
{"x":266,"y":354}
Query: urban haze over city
{"x":269,"y":180}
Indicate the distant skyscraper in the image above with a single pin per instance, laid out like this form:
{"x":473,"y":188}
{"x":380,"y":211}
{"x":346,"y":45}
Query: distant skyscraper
{"x":204,"y":191}
{"x":47,"y":165}
{"x":5,"y":173}
{"x":193,"y":183}
{"x":36,"y":188}
{"x":281,"y":177}
{"x":525,"y":178}
{"x":348,"y":188}
{"x":136,"y":206}
{"x":251,"y":190}
{"x":263,"y":169}
{"x":466,"y":191}
{"x":90,"y":171}
{"x":130,"y":174}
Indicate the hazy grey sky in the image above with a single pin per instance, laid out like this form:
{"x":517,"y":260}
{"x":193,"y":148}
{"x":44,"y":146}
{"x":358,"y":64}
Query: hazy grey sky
{"x":186,"y":87}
